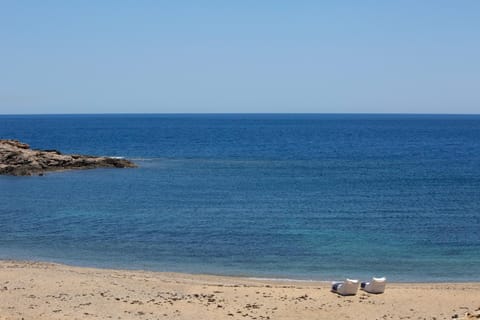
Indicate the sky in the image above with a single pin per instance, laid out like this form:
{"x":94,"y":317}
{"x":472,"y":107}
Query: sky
{"x":243,"y":56}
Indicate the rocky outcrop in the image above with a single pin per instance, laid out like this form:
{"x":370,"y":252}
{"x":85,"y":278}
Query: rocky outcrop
{"x":17,"y":159}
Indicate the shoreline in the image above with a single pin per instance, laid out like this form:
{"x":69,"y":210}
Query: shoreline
{"x":273,"y":279}
{"x":45,"y":290}
{"x":247,"y":277}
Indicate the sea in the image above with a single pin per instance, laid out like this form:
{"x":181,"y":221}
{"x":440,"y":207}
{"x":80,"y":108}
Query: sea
{"x":288,"y":196}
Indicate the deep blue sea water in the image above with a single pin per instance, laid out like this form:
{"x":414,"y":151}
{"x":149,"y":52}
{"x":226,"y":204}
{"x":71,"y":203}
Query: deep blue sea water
{"x":288,"y":196}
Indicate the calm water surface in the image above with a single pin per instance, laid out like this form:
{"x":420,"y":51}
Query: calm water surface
{"x":297,"y":196}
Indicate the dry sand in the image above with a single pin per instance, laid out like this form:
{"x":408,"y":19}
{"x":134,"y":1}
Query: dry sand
{"x":37,"y":290}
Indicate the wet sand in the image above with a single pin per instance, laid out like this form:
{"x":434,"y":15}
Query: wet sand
{"x":38,"y":290}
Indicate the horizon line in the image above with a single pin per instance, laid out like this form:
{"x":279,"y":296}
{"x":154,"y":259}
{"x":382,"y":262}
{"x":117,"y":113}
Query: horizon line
{"x":237,"y":113}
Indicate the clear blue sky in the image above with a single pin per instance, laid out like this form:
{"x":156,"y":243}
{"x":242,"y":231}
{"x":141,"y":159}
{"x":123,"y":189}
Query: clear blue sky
{"x":240,"y":56}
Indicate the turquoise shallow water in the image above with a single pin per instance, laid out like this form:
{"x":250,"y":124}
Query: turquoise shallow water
{"x":292,"y":196}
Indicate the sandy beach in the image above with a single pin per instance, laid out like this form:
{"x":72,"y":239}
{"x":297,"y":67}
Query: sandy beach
{"x":39,"y":290}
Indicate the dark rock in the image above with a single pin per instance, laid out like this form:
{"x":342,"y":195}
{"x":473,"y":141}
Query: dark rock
{"x":17,"y":159}
{"x":52,"y":150}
